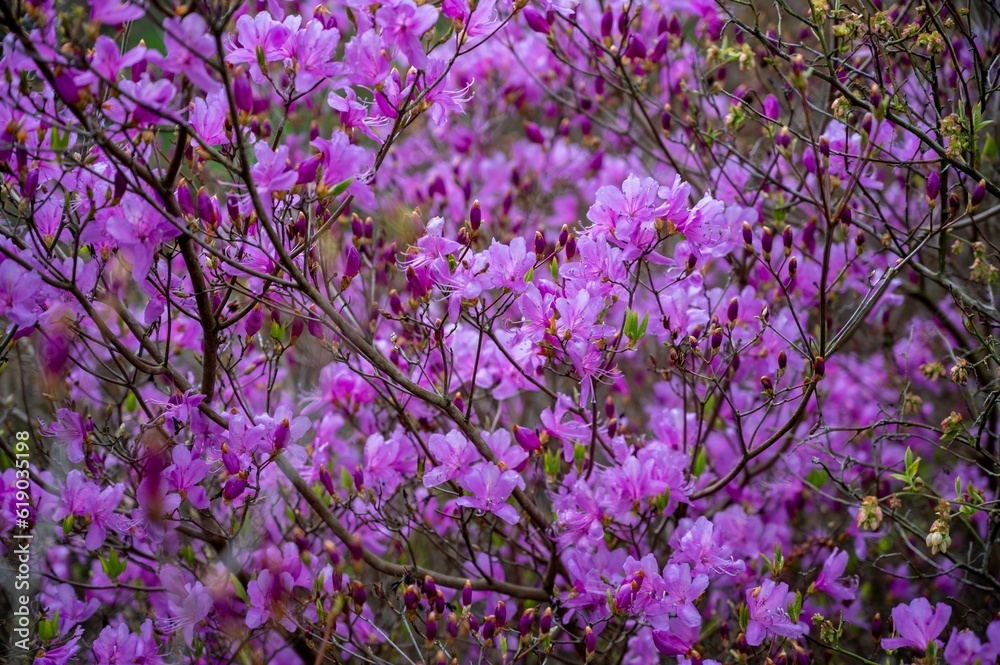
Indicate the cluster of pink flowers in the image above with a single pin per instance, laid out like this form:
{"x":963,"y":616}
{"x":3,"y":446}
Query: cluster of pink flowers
{"x":498,"y":331}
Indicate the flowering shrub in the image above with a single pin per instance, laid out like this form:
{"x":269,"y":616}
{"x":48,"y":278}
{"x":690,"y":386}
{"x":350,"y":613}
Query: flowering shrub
{"x":494,"y":332}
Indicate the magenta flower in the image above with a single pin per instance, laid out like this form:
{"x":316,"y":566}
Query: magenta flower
{"x":489,"y":489}
{"x":261,"y":40}
{"x":266,"y":596}
{"x":184,"y":475}
{"x":272,"y":173}
{"x":627,"y":214}
{"x":917,"y":624}
{"x":454,"y":454}
{"x":403,"y":24}
{"x":18,"y":294}
{"x":70,"y":429}
{"x":963,"y":648}
{"x":188,"y":609}
{"x":108,"y":61}
{"x":768,"y":615}
{"x":829,"y":578}
{"x":697,"y":546}
{"x":139,"y":230}
{"x":314,"y":49}
{"x":187,"y":40}
{"x":387,"y":462}
{"x":509,"y":264}
{"x":114,"y":12}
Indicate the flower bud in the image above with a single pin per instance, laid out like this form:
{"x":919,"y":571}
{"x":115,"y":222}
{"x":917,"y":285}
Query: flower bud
{"x":501,"y":613}
{"x":185,"y":201}
{"x":282,"y":433}
{"x":451,"y":625}
{"x":767,"y":384}
{"x":877,"y":627}
{"x":534,"y":133}
{"x":473,"y":623}
{"x":747,"y":235}
{"x":786,"y":240}
{"x":793,"y":267}
{"x":607,"y":23}
{"x":476,"y":216}
{"x":866,"y":123}
{"x":978,"y":194}
{"x":467,"y":594}
{"x":539,"y":243}
{"x":767,"y":241}
{"x":243,"y":94}
{"x":527,"y":439}
{"x":432,"y":627}
{"x":233,"y":488}
{"x":590,"y":640}
{"x":819,"y":366}
{"x":326,"y":480}
{"x":932,"y":188}
{"x":571,"y":247}
{"x":783,"y":139}
{"x":876,"y":95}
{"x":352,"y":262}
{"x":563,"y":235}
{"x":430,"y":587}
{"x":411,"y":597}
{"x":733,"y":311}
{"x":358,"y":595}
{"x":953,"y":203}
{"x":545,"y":623}
{"x":524,"y":623}
{"x":536,"y":20}
{"x":489,"y":628}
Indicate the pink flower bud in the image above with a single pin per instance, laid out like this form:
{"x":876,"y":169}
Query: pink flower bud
{"x":527,"y":439}
{"x":233,"y":488}
{"x":536,"y":21}
{"x":534,"y":133}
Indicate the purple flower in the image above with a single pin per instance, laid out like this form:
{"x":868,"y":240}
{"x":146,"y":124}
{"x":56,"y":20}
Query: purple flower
{"x":768,"y":615}
{"x":833,"y":571}
{"x":18,"y":293}
{"x":315,"y":48}
{"x":454,"y":454}
{"x":627,"y":214}
{"x":69,"y":429}
{"x":963,"y":648}
{"x":184,"y":475}
{"x":266,"y":596}
{"x":139,"y":230}
{"x":188,"y":609}
{"x":187,"y":40}
{"x":114,"y":12}
{"x":403,"y":24}
{"x":917,"y":624}
{"x":83,"y":498}
{"x":271,"y":173}
{"x":260,"y":40}
{"x":489,"y":489}
{"x":509,"y":264}
{"x":388,"y":462}
{"x":697,"y":546}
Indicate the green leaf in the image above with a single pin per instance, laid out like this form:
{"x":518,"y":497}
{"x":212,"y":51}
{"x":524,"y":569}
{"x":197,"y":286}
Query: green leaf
{"x":341,"y":187}
{"x":49,"y":628}
{"x":238,"y":587}
{"x":817,"y":478}
{"x":700,"y":462}
{"x":113,"y":567}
